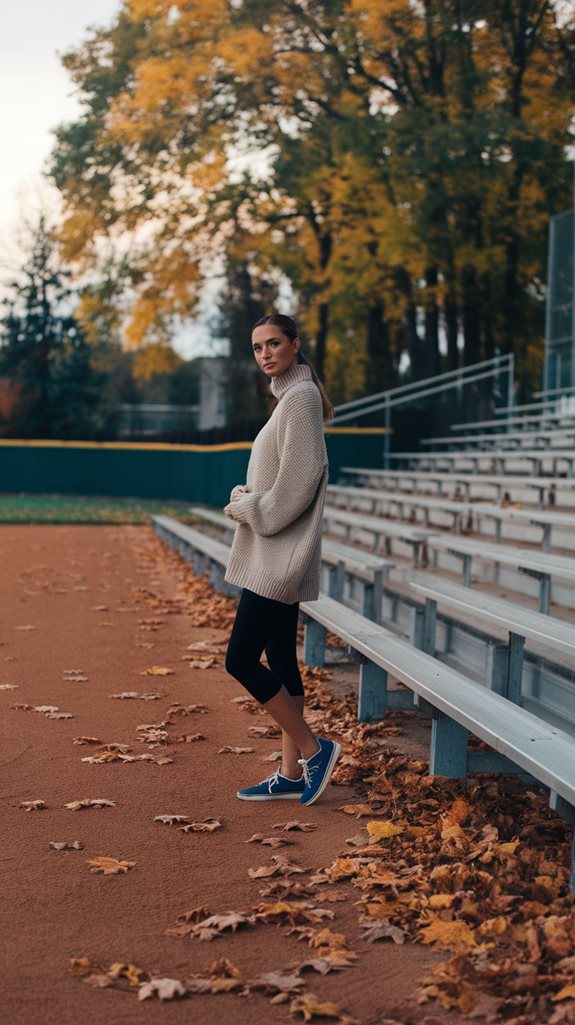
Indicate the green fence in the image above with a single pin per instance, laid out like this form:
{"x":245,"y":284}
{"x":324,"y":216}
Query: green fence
{"x":194,"y":473}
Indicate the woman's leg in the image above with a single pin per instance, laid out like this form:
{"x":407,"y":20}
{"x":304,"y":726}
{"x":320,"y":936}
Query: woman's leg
{"x":281,"y":653}
{"x":257,"y":621}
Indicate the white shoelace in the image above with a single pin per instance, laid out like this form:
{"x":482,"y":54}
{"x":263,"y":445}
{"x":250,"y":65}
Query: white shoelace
{"x":270,"y":780}
{"x":306,"y":771}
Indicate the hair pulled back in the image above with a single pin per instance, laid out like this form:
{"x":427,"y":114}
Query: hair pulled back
{"x":288,"y":327}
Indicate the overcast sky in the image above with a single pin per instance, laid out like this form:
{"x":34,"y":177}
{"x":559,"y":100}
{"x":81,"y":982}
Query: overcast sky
{"x":37,"y":95}
{"x":35,"y":89}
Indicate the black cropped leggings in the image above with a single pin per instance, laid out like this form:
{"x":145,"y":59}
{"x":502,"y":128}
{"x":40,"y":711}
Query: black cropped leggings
{"x":263,"y":624}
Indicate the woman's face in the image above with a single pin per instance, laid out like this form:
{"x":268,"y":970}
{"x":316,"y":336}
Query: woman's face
{"x":274,"y":351}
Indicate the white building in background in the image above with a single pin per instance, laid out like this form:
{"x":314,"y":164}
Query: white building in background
{"x":150,"y":419}
{"x":212,"y":409}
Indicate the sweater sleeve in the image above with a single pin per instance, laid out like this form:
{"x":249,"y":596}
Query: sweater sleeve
{"x":302,"y":462}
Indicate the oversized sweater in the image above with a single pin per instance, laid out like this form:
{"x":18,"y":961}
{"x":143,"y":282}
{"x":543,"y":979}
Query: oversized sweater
{"x":276,"y":550}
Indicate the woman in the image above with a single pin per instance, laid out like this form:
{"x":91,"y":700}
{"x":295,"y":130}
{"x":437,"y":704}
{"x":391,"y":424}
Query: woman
{"x":275,"y":558}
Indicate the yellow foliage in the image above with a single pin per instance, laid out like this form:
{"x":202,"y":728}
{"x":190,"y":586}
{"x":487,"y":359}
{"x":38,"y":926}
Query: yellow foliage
{"x":455,"y":936}
{"x":155,"y":359}
{"x":383,"y":830}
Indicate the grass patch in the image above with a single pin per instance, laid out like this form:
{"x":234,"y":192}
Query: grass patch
{"x":23,"y":508}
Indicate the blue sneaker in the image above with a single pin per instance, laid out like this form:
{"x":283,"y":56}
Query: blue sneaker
{"x":273,"y":788}
{"x":318,"y":769}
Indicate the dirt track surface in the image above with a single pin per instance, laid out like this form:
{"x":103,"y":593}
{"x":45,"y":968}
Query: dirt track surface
{"x":85,"y":598}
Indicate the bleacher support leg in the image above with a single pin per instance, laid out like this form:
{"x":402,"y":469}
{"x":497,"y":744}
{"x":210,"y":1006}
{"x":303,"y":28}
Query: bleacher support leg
{"x":372,"y":700}
{"x":314,"y":643}
{"x":544,"y":593}
{"x":515,"y":668}
{"x":466,"y":577}
{"x":429,"y":626}
{"x":448,"y":753}
{"x":336,"y":580}
{"x":372,"y":597}
{"x":497,"y":668}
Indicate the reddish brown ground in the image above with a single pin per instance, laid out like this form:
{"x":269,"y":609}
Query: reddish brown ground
{"x":53,"y":908}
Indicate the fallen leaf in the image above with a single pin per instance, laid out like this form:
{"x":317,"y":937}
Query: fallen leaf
{"x":302,"y":827}
{"x":382,"y":930}
{"x":274,"y":982}
{"x":90,"y":802}
{"x":278,"y":866}
{"x":110,"y":866}
{"x":236,"y":750}
{"x":359,"y":810}
{"x":86,"y":740}
{"x":270,"y":841}
{"x":66,"y":845}
{"x":9,"y":686}
{"x":456,"y":936}
{"x":164,"y":989}
{"x":157,"y":671}
{"x":205,"y":826}
{"x":331,"y":961}
{"x":32,"y":805}
{"x":383,"y":830}
{"x":186,"y":710}
{"x":171,"y":820}
{"x":567,"y":993}
{"x":131,"y":972}
{"x":309,"y":1007}
{"x":209,"y":928}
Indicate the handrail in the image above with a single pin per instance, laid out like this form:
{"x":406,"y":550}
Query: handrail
{"x":388,"y":400}
{"x":459,"y":374}
{"x":423,"y":393}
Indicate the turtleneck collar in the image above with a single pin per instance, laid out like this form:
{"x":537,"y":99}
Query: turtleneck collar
{"x":298,"y":372}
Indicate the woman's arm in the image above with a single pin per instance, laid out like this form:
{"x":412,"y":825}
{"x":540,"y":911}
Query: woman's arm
{"x":302,"y":462}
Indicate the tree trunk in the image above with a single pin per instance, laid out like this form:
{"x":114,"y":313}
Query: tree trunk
{"x":321,"y":339}
{"x":413,"y":341}
{"x":379,"y":371}
{"x":431,"y":359}
{"x":471,"y":316}
{"x":451,"y":328}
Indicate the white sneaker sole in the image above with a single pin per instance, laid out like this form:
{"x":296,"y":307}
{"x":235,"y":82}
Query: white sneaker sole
{"x":269,"y":797}
{"x":327,"y":774}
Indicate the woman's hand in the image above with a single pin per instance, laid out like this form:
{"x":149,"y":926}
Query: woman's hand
{"x":229,"y":510}
{"x":239,"y":489}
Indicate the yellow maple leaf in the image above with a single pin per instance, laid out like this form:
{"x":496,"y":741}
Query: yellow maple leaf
{"x":456,"y":936}
{"x":383,"y":829}
{"x":109,"y":866}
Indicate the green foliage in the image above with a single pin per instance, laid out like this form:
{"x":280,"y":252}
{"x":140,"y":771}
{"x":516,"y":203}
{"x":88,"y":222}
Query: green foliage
{"x":43,"y":352}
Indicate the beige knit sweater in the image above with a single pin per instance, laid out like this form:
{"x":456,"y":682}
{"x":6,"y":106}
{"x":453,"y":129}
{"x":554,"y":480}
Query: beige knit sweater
{"x":277,"y":543}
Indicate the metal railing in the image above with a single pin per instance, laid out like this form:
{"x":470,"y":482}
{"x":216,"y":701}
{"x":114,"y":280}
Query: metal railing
{"x":429,"y":386}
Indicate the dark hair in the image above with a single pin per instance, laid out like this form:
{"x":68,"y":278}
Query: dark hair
{"x":288,"y":327}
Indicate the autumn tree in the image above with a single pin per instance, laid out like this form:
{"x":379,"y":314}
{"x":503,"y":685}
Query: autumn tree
{"x":395,"y":162}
